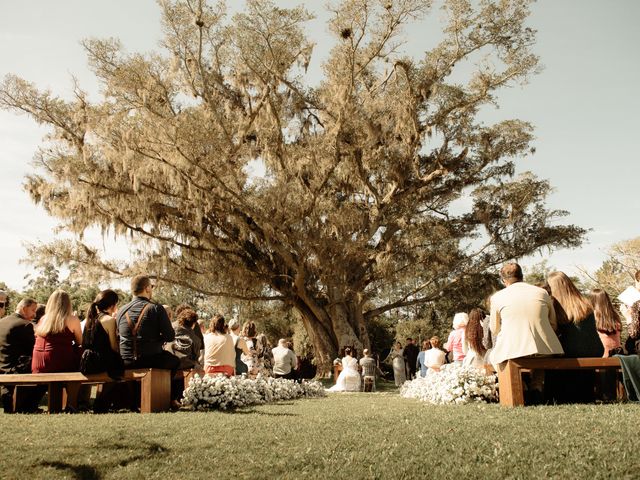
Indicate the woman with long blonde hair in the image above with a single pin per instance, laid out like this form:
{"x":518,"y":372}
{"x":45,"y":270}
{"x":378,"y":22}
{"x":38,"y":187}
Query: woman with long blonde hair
{"x":578,"y":337}
{"x":58,"y":341}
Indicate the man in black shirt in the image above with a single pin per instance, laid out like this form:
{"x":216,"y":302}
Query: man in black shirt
{"x":144,"y":328}
{"x":411,"y":357}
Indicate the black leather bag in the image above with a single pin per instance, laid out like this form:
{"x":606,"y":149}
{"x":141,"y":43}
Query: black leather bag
{"x":91,"y":362}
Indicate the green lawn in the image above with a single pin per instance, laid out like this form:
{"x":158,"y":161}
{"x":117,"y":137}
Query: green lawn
{"x":348,"y":436}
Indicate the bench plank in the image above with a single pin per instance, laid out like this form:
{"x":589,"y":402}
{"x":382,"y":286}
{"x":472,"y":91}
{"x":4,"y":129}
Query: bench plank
{"x":567,"y":363}
{"x":510,"y":373}
{"x":155,"y":388}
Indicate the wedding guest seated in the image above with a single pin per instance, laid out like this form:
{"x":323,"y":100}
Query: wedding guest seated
{"x":39,"y":313}
{"x":16,"y":350}
{"x":199,"y":329}
{"x":101,"y":353}
{"x":4,"y":303}
{"x":58,"y":342}
{"x":240,"y":348}
{"x":99,"y":339}
{"x":284,"y":361}
{"x":186,"y":346}
{"x":219,"y":353}
{"x":369,"y":369}
{"x":349,"y":378}
{"x":632,"y":315}
{"x":522,"y":323}
{"x":435,"y":357}
{"x":472,"y":346}
{"x":608,"y":322}
{"x":144,"y":328}
{"x":167,"y":308}
{"x":420,"y":361}
{"x":456,"y":337}
{"x":609,"y":326}
{"x":579,"y":338}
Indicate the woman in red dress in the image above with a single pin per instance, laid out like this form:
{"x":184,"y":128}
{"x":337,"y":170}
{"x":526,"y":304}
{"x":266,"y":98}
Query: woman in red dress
{"x":58,"y":341}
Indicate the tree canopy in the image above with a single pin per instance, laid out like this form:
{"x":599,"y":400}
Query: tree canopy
{"x":374,"y":188}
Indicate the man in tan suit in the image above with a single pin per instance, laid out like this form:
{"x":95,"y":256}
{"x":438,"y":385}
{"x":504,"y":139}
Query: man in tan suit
{"x":522,"y":322}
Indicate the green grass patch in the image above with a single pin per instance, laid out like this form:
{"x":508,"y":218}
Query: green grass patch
{"x":347,"y":435}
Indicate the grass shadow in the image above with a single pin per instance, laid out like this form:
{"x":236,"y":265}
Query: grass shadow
{"x":80,"y":472}
{"x":90,"y":472}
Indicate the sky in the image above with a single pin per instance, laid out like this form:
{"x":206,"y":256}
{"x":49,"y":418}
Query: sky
{"x":584,"y":106}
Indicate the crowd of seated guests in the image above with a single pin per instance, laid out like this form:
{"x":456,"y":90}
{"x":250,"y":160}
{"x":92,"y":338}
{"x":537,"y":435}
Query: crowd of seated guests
{"x":136,"y":335}
{"x":551,"y":319}
{"x":524,"y":320}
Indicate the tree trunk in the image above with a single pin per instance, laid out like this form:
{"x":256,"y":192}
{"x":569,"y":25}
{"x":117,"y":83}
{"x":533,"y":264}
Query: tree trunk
{"x":331,"y":328}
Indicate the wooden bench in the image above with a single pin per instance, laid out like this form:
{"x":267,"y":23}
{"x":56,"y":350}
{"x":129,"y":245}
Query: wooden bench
{"x":510,"y":373}
{"x":155,"y":386}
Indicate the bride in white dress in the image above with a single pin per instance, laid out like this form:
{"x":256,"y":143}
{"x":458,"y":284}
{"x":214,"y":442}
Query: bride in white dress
{"x":349,"y":378}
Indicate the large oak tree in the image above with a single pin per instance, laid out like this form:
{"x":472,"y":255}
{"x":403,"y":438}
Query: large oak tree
{"x":373,"y":188}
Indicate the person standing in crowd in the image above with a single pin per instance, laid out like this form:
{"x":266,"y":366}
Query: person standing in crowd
{"x":472,"y":346}
{"x":435,"y":357}
{"x":284,"y":361}
{"x":219,"y":353}
{"x":58,"y":342}
{"x":144,"y":328}
{"x":410,"y":354}
{"x":16,"y":350}
{"x":420,"y":362}
{"x":240,"y":348}
{"x":250,"y":359}
{"x":264,"y":356}
{"x":396,"y":355}
{"x":456,"y":337}
{"x":523,"y":324}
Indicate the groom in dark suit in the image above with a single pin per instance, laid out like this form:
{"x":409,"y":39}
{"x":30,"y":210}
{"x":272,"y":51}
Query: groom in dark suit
{"x":410,"y":355}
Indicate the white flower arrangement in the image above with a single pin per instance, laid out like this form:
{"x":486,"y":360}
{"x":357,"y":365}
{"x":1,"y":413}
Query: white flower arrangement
{"x":223,"y":393}
{"x":453,"y":384}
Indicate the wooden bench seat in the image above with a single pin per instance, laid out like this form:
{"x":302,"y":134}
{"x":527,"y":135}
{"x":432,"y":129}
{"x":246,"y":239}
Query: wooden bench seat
{"x":510,"y":373}
{"x":155,"y":386}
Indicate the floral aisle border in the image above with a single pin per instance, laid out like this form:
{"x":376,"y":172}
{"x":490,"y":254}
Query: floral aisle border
{"x":218,"y":392}
{"x":453,"y":384}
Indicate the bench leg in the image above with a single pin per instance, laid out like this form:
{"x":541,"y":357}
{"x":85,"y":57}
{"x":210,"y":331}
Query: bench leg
{"x":510,"y":385}
{"x":56,"y":397}
{"x":155,"y":391}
